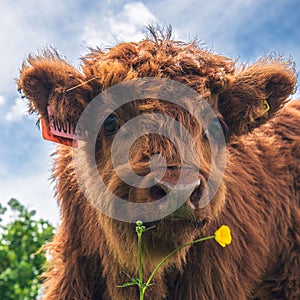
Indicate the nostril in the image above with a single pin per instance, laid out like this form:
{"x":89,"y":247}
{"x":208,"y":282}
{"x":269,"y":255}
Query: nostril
{"x":157,"y":192}
{"x":195,"y":196}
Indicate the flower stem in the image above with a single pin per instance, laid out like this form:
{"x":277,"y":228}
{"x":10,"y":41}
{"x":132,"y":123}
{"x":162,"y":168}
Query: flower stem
{"x":139,"y":230}
{"x":141,"y":283}
{"x":171,"y":254}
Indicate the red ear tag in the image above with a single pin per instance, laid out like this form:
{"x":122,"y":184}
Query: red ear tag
{"x":65,"y":128}
{"x":62,"y":132}
{"x":49,"y":136}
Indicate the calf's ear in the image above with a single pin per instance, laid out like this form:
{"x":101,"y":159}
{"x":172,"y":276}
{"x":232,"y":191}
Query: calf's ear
{"x":48,"y":80}
{"x":256,"y":93}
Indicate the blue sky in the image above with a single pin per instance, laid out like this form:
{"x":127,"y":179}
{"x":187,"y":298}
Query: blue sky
{"x":240,"y":29}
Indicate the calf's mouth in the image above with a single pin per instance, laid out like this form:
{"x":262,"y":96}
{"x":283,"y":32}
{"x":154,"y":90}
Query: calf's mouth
{"x":180,"y":192}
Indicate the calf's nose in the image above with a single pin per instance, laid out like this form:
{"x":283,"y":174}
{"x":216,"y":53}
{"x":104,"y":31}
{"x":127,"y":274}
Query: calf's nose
{"x":178,"y":186}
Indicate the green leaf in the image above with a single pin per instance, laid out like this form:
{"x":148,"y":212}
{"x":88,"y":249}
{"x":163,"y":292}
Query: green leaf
{"x":127,"y":284}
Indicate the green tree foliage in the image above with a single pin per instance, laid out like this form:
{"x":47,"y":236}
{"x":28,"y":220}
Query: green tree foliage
{"x":20,"y":262}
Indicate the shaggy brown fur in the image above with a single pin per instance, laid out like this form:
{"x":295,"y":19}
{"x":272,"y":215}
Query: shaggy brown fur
{"x":258,"y":198}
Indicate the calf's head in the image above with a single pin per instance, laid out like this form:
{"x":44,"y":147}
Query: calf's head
{"x":155,"y":138}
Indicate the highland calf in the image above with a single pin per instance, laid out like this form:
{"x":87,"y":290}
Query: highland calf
{"x":250,"y":125}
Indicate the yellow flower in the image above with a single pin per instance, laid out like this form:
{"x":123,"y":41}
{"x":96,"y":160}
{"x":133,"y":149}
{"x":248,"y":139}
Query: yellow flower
{"x":223,"y":236}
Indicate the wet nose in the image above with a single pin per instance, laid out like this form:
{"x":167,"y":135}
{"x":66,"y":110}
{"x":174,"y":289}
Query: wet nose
{"x":184,"y":183}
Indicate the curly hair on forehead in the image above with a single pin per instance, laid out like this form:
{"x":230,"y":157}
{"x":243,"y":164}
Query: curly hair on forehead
{"x":258,"y":196}
{"x":160,"y":56}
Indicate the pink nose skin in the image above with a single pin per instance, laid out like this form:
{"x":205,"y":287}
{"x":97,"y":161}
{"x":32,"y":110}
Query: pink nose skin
{"x":183,"y":184}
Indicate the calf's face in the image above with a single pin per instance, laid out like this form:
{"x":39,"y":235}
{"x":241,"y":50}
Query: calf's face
{"x":159,"y":158}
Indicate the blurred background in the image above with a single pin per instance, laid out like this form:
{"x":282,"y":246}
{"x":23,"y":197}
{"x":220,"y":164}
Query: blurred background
{"x":240,"y":29}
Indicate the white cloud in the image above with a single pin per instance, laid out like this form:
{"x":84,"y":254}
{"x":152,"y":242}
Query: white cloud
{"x":17,"y":111}
{"x":2,"y":100}
{"x":34,"y":191}
{"x":28,"y":27}
{"x":130,"y":20}
{"x":29,"y":182}
{"x":125,"y":25}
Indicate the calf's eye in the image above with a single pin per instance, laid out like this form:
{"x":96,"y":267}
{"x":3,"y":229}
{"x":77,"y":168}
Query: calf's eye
{"x":215,"y":129}
{"x":111,"y":125}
